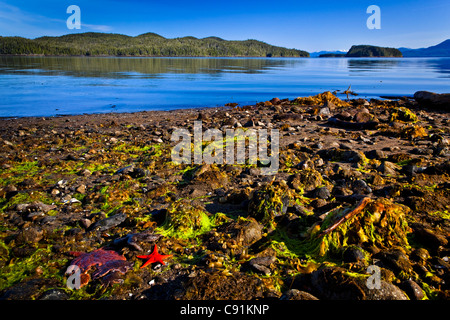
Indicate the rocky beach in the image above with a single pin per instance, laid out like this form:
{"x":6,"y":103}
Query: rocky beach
{"x":358,"y":209}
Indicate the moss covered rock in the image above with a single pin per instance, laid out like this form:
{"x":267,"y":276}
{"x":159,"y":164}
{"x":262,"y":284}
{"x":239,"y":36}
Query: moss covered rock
{"x":381,"y":224}
{"x":270,"y":201}
{"x":185,"y":220}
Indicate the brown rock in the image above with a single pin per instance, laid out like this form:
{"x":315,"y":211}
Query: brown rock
{"x":294,"y":294}
{"x":29,"y":235}
{"x":434,"y":100}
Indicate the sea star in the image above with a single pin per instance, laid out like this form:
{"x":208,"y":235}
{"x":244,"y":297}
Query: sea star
{"x":154,"y":257}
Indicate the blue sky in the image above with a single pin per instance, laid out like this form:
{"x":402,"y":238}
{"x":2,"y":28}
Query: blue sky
{"x":308,"y":25}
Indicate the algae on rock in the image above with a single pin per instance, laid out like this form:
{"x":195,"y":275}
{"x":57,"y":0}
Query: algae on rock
{"x":381,"y":224}
{"x":270,"y":201}
{"x":185,"y":220}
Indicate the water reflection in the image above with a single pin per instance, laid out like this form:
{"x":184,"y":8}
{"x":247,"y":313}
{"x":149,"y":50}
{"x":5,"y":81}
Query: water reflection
{"x":439,"y":65}
{"x":116,"y":68}
{"x":362,"y":65}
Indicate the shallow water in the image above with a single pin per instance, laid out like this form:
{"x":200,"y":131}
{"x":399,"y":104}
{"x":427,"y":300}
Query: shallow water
{"x":46,"y":86}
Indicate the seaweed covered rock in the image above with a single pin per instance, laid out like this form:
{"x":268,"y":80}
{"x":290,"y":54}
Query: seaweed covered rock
{"x":305,"y":180}
{"x":377,"y":224}
{"x":210,"y":175}
{"x":239,"y":286}
{"x":184,"y":220}
{"x":322,"y":98}
{"x":268,"y":202}
{"x":336,"y":284}
{"x":235,"y":236}
{"x":403,"y":114}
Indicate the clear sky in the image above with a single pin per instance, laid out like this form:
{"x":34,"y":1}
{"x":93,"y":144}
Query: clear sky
{"x":307,"y":25}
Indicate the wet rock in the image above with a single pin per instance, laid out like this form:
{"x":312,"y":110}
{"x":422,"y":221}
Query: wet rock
{"x":132,"y":171}
{"x":341,"y":191}
{"x":420,"y":255}
{"x":353,"y":156}
{"x":275,"y":101}
{"x":332,"y":283}
{"x":335,"y":284}
{"x":375,"y":154}
{"x":412,"y":289}
{"x":9,"y":191}
{"x":361,"y":187}
{"x":294,"y":294}
{"x":239,"y":286}
{"x":211,"y":175}
{"x":81,"y":189}
{"x":388,"y":168}
{"x":54,"y":294}
{"x":306,"y":180}
{"x":268,"y":202}
{"x":434,"y":100}
{"x":27,"y":289}
{"x":397,"y":261}
{"x":85,"y":223}
{"x":370,"y":125}
{"x":133,"y":239}
{"x":236,"y":235}
{"x":344,"y":115}
{"x":108,"y":223}
{"x":387,"y":291}
{"x":322,"y":193}
{"x":250,"y":123}
{"x":324,"y":111}
{"x":262,"y":264}
{"x":29,"y":235}
{"x":353,"y":254}
{"x":403,"y":114}
{"x":35,"y":206}
{"x":428,"y":237}
{"x":363,"y":116}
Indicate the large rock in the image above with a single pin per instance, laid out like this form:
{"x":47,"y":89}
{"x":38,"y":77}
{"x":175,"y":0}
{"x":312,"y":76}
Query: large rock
{"x":336,"y":284}
{"x":433,"y":100}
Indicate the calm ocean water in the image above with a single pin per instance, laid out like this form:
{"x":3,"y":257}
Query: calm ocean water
{"x":46,"y":86}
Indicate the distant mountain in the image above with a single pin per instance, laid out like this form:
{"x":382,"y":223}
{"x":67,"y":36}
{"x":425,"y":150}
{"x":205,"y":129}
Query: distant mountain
{"x":440,"y":50}
{"x":372,"y":51}
{"x":148,"y":44}
{"x":319,"y":53}
{"x":333,"y":55}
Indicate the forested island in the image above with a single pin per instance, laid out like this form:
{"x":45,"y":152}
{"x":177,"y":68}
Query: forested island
{"x":148,"y":44}
{"x":373,"y":51}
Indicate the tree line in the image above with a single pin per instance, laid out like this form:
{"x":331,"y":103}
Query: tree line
{"x":149,"y":44}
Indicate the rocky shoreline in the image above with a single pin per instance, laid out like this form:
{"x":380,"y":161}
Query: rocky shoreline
{"x":362,"y":191}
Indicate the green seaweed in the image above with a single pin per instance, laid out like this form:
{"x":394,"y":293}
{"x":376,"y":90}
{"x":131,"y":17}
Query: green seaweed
{"x":404,"y":114}
{"x":184,"y":220}
{"x":268,"y":202}
{"x":19,"y":269}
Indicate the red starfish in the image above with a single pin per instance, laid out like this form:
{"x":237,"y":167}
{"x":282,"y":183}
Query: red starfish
{"x":154,"y":257}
